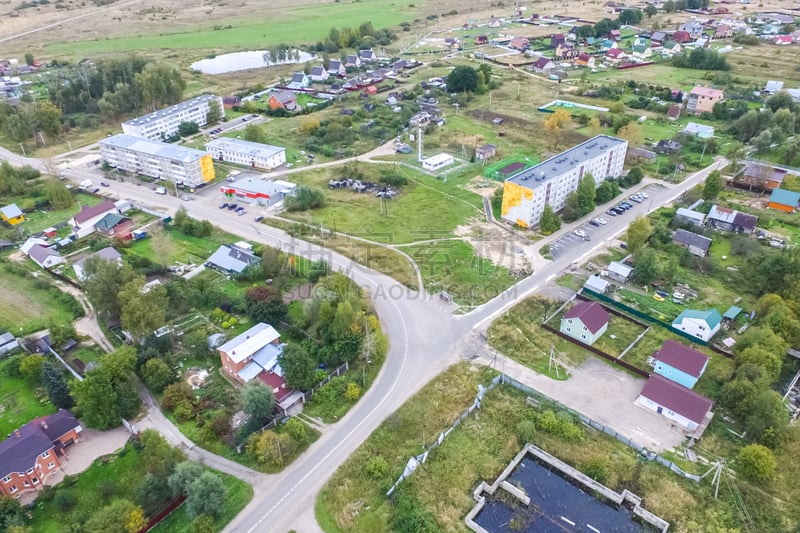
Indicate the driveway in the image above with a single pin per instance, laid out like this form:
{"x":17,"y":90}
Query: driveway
{"x":602,"y":393}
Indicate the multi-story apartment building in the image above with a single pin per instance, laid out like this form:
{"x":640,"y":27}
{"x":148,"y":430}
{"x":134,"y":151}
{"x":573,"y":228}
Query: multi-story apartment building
{"x":254,"y":155}
{"x":31,"y":453}
{"x":180,"y":165}
{"x":164,"y":123}
{"x":549,"y":183}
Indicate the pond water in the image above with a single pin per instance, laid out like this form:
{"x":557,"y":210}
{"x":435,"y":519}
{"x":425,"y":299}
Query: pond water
{"x":242,"y":61}
{"x":553,"y":497}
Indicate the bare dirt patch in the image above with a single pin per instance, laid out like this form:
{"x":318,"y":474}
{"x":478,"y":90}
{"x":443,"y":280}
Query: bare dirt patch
{"x":497,"y":245}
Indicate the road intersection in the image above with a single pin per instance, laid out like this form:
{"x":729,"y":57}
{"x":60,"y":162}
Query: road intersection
{"x":424,"y":340}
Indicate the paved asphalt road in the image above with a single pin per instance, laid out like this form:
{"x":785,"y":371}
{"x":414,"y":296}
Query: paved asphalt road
{"x":425,"y":339}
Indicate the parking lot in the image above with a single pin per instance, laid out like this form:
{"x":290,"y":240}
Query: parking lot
{"x":590,"y":226}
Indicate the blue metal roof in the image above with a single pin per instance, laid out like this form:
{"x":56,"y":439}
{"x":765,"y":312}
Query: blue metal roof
{"x":732,"y":312}
{"x":711,"y":317}
{"x":784,"y":197}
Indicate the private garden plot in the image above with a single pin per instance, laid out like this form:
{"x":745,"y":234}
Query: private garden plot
{"x":621,"y":334}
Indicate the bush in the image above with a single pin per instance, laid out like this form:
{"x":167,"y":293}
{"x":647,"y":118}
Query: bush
{"x":597,"y":470}
{"x":526,"y":429}
{"x":64,"y":500}
{"x":757,"y":463}
{"x":353,"y":392}
{"x":176,"y":393}
{"x":184,"y":411}
{"x":377,"y":467}
{"x":297,"y":430}
{"x":305,"y":198}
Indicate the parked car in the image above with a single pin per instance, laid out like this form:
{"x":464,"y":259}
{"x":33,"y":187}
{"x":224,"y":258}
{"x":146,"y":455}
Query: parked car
{"x":611,"y":212}
{"x":104,"y":184}
{"x":601,"y":221}
{"x":231,"y":207}
{"x":594,"y":223}
{"x":242,"y":212}
{"x":259,"y":218}
{"x":580,"y":233}
{"x":185,"y":197}
{"x":626,"y":205}
{"x":223,"y":205}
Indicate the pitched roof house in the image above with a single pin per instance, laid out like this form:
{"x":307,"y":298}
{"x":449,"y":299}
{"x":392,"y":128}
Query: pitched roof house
{"x":115,"y":225}
{"x":765,"y":174}
{"x":352,"y":61}
{"x":106,"y":254}
{"x":657,"y":38}
{"x":679,"y":363}
{"x":685,"y":407}
{"x":283,"y":100}
{"x":543,"y":65}
{"x":619,"y":271}
{"x":615,"y":55}
{"x":671,"y":47}
{"x":336,"y":68}
{"x":254,"y":355}
{"x":368,"y":56}
{"x":84,"y":220}
{"x":687,"y":216}
{"x":726,"y":219}
{"x":701,"y":325}
{"x":674,"y":113}
{"x":783,"y":200}
{"x":696,"y":244}
{"x":681,"y":36}
{"x":299,"y":81}
{"x":33,"y":452}
{"x":45,"y":257}
{"x":11,"y":214}
{"x":585,"y":60}
{"x":319,"y":73}
{"x":233,"y":259}
{"x":585,"y":322}
{"x":486,"y":151}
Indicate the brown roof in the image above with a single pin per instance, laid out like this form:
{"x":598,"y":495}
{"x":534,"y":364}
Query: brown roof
{"x":677,"y":398}
{"x":682,"y":357}
{"x":88,"y":212}
{"x":592,"y":314}
{"x":674,"y":111}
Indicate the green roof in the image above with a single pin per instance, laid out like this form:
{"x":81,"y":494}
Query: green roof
{"x":711,"y":317}
{"x":732,"y":312}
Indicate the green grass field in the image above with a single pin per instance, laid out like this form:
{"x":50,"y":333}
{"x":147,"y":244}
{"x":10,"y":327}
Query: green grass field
{"x":40,"y":219}
{"x":425,"y":208}
{"x":453,"y":266}
{"x":33,"y":307}
{"x":183,"y":248}
{"x":291,"y":24}
{"x":20,"y":403}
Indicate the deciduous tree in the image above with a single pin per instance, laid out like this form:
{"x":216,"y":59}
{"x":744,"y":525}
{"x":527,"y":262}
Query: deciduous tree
{"x":299,"y":368}
{"x":586,"y":194}
{"x":549,"y":222}
{"x":58,"y":195}
{"x":258,"y":402}
{"x":143,"y":310}
{"x":265,"y":304}
{"x":556,"y":125}
{"x":183,"y":476}
{"x":713,"y":185}
{"x":638,"y":233}
{"x":206,"y":496}
{"x":103,"y":282}
{"x":463,"y":78}
{"x":157,"y":374}
{"x":632,"y":133}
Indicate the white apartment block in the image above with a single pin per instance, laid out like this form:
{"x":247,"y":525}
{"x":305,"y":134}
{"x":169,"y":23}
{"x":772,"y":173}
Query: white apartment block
{"x":180,"y":165}
{"x":254,"y":155}
{"x":549,"y":183}
{"x":164,"y":123}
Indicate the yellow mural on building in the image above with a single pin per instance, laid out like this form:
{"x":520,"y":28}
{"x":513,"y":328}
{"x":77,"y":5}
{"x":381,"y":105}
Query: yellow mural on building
{"x":514,"y":195}
{"x":207,"y":168}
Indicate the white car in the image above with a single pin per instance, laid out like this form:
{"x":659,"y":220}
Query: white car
{"x":601,"y":221}
{"x":580,"y":233}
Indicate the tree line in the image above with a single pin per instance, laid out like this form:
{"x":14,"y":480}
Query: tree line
{"x":364,"y":36}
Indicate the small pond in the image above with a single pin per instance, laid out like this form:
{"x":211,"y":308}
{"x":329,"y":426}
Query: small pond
{"x":242,"y":61}
{"x":553,"y":497}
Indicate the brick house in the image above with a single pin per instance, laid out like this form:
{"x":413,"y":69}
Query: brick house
{"x":254,"y":355}
{"x":33,"y":452}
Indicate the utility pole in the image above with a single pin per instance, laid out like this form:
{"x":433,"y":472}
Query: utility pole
{"x":553,"y":362}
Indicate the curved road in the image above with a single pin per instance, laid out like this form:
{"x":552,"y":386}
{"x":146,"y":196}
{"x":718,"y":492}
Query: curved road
{"x":425,"y":339}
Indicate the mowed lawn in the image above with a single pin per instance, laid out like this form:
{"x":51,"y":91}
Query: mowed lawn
{"x":424,"y":209}
{"x":38,"y":220}
{"x":27,"y":306}
{"x":294,"y":25}
{"x":18,"y":401}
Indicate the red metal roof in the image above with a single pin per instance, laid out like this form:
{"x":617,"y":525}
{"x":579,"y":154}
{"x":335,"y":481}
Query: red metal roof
{"x":277,"y":383}
{"x":88,"y":212}
{"x":591,"y":314}
{"x":677,"y":398}
{"x":682,"y":357}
